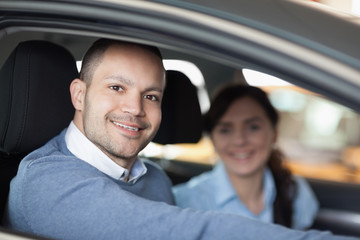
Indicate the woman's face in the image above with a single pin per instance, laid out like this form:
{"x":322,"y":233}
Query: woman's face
{"x":244,"y":137}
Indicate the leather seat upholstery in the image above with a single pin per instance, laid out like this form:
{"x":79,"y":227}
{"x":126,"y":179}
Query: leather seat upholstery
{"x":181,"y":113}
{"x":35,"y":102}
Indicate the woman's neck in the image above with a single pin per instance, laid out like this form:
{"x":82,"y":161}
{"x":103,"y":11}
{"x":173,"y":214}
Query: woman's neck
{"x":250,"y":190}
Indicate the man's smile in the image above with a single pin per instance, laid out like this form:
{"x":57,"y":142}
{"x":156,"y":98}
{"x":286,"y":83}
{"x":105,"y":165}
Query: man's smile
{"x":131,"y":128}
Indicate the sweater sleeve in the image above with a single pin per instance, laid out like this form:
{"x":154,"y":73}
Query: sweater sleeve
{"x":60,"y":198}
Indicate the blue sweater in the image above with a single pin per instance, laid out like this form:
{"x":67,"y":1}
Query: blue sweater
{"x":59,"y":196}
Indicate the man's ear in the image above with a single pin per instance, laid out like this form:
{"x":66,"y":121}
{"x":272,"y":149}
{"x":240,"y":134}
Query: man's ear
{"x":77,"y":92}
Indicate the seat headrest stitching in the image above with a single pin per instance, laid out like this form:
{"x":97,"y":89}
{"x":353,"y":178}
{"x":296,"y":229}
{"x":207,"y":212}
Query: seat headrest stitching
{"x":26,"y":98}
{"x":11,"y":86}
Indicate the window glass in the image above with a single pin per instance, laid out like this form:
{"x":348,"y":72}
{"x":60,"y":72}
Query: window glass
{"x":320,"y":138}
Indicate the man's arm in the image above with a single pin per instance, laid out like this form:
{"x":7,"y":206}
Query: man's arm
{"x":75,"y":202}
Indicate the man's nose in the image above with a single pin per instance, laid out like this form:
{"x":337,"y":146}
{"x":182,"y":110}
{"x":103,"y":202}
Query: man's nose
{"x":134,"y":105}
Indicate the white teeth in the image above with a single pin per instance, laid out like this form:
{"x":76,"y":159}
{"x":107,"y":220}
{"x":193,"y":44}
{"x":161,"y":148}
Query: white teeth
{"x":126,"y":127}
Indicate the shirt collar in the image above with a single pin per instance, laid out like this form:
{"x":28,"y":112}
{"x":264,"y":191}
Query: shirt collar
{"x":84,"y":149}
{"x":227,"y":193}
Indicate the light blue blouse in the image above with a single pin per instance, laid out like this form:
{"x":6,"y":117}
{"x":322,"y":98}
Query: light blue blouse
{"x":213,"y":191}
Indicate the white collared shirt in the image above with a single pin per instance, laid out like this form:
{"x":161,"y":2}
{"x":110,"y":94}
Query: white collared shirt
{"x":84,"y":149}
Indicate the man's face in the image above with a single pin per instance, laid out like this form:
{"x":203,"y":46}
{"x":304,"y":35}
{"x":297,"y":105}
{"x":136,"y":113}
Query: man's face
{"x":122,"y":107}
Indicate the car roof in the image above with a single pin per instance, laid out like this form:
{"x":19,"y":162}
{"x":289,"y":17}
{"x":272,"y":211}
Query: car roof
{"x":306,"y":22}
{"x":303,"y":42}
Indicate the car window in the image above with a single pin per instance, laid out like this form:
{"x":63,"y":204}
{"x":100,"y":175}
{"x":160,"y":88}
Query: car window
{"x":319,"y":137}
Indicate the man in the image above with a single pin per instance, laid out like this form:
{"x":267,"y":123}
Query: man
{"x":88,"y":183}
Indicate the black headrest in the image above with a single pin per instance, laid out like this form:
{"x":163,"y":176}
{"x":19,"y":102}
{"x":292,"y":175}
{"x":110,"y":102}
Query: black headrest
{"x":35,"y":102}
{"x":181,"y":113}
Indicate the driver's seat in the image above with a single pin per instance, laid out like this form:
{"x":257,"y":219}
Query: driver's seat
{"x":35,"y":103}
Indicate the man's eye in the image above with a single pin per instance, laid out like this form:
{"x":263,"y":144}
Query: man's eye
{"x":151,"y":97}
{"x":117,"y":88}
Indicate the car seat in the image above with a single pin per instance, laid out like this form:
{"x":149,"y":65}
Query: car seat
{"x":181,"y":123}
{"x":181,"y":114}
{"x":35,"y":103}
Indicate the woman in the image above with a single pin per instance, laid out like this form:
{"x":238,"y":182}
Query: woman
{"x":250,"y":179}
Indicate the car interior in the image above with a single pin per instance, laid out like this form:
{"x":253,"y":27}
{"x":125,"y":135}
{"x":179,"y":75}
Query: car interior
{"x":34,"y":93}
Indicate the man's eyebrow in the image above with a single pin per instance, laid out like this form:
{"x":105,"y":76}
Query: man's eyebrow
{"x":121,"y":79}
{"x":128,"y":82}
{"x":156,"y":89}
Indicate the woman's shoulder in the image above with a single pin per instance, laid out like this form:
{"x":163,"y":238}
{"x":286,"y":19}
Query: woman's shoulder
{"x":301,"y":183}
{"x":306,"y":204}
{"x":194,"y":192}
{"x":202,"y":181}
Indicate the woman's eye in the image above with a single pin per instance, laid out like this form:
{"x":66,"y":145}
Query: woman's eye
{"x":117,"y":88}
{"x":224,"y":130}
{"x":254,"y":127}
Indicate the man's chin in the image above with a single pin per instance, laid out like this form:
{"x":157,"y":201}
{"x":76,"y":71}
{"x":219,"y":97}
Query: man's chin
{"x":129,"y":149}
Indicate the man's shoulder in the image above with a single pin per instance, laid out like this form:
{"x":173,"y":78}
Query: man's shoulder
{"x":53,"y":156}
{"x":54,"y":147}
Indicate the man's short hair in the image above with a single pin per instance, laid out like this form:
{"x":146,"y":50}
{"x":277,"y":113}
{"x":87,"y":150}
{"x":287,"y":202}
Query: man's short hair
{"x":95,"y":53}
